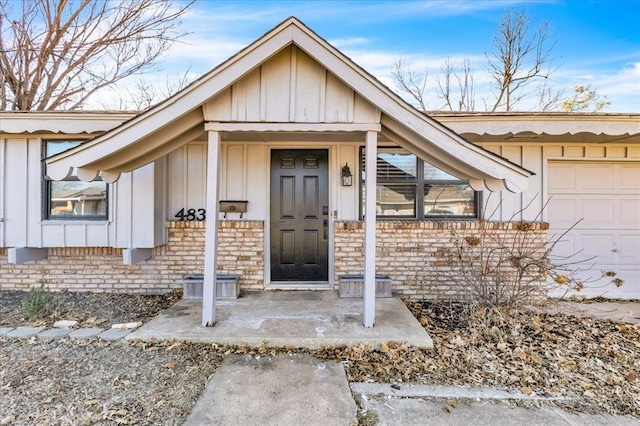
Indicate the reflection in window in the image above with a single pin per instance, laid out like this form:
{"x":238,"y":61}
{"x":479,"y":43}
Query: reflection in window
{"x":449,"y":200}
{"x":395,"y":200}
{"x":72,"y":198}
{"x":401,"y":176}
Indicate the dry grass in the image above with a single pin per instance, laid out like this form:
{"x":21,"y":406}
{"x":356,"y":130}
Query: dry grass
{"x":595,"y":363}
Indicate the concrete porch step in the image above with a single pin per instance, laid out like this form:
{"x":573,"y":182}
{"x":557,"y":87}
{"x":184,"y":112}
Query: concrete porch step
{"x":309,"y":319}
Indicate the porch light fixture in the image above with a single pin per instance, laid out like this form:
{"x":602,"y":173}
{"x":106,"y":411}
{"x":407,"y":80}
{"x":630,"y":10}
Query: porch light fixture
{"x":347,"y":178}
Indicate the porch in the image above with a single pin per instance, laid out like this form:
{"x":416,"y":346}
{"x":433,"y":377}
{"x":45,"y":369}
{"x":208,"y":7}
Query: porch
{"x":309,"y":319}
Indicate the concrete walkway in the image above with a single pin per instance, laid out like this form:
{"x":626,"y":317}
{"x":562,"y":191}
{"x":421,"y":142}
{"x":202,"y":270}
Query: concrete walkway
{"x":628,"y":312}
{"x":309,"y":319}
{"x":117,"y":332}
{"x":279,"y":390}
{"x":385,"y":408}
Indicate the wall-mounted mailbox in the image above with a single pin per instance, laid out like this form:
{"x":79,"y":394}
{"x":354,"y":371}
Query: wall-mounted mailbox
{"x":229,"y":206}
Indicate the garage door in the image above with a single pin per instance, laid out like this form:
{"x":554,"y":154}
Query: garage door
{"x":606,"y":196}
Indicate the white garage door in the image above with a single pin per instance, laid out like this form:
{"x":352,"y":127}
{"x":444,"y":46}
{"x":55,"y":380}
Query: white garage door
{"x":606,"y":196}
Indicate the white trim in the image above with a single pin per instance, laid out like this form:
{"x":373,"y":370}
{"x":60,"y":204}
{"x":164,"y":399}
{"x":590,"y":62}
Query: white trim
{"x":541,"y":123}
{"x":64,"y":122}
{"x":211,"y":233}
{"x":131,"y":256}
{"x":18,"y":255}
{"x":495,"y":172}
{"x":369,"y":303}
{"x":275,"y":285}
{"x":299,"y":285}
{"x":291,"y":127}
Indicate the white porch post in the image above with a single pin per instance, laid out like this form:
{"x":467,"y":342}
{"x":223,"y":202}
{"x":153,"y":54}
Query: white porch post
{"x":211,"y":231}
{"x":371,"y":148}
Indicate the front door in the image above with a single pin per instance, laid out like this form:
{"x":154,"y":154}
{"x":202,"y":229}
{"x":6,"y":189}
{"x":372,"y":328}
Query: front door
{"x":299,"y":215}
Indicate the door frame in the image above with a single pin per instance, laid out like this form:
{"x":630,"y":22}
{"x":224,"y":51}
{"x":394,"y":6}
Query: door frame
{"x":299,"y":285}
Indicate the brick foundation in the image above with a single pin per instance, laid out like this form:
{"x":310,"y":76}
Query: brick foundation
{"x":410,"y":252}
{"x":100,"y":269}
{"x":413,"y":252}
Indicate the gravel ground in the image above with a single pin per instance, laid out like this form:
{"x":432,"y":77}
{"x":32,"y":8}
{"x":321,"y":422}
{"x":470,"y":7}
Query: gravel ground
{"x":594,"y":362}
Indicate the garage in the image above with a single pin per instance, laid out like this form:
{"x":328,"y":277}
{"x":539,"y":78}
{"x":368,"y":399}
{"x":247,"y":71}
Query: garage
{"x":605,"y":197}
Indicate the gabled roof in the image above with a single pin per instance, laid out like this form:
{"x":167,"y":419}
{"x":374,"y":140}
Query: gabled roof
{"x":179,"y":119}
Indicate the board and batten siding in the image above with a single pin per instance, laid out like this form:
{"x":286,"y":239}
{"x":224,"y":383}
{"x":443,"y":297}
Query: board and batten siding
{"x":245,"y":176}
{"x":290,"y":87}
{"x":134,"y":201}
{"x":535,"y":157}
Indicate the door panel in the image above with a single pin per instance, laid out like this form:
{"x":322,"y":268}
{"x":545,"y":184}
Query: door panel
{"x":299,"y":215}
{"x":601,"y":201}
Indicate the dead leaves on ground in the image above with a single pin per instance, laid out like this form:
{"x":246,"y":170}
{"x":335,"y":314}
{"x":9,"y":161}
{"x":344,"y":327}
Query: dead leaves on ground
{"x":596,"y":362}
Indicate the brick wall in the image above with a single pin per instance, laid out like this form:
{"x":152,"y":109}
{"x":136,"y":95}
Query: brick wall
{"x":100,"y":269}
{"x":412,"y":253}
{"x":417,"y":254}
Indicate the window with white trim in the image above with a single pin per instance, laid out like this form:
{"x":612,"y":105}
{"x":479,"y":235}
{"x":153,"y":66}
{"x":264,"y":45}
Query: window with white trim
{"x":409,"y":187}
{"x":71,"y":198}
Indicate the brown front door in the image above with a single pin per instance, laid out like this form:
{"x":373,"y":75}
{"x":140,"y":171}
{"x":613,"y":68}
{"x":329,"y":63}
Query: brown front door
{"x":299,"y":215}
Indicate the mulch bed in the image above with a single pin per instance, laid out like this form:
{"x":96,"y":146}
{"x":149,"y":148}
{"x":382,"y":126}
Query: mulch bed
{"x":595,"y":363}
{"x":89,"y":309}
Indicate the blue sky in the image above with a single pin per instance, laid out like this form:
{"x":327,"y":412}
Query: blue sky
{"x":598,"y":42}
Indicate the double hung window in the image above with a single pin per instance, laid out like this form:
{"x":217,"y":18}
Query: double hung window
{"x":71,"y":198}
{"x":409,"y":187}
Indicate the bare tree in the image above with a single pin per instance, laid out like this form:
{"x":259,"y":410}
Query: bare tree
{"x":518,"y":57}
{"x":585,"y":98}
{"x":411,"y":83}
{"x":455,"y":86}
{"x":55,"y":54}
{"x":464,"y":86}
{"x":146,"y":93}
{"x":549,"y":98}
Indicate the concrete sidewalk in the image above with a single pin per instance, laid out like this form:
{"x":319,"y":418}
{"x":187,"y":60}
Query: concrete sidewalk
{"x":279,"y":390}
{"x":385,"y":410}
{"x":628,"y":312}
{"x":303,"y":390}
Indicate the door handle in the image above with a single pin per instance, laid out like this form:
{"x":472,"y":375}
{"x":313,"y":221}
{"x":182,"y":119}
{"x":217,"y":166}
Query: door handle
{"x":325,"y":225}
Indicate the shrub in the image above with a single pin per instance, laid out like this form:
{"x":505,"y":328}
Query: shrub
{"x":510,"y":263}
{"x":39,"y":304}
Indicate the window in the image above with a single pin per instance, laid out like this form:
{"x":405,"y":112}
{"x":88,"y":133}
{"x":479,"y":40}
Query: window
{"x":408,"y":187}
{"x":72,"y":198}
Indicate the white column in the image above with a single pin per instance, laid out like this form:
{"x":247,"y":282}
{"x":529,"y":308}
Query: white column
{"x":211,"y":233}
{"x":371,"y":148}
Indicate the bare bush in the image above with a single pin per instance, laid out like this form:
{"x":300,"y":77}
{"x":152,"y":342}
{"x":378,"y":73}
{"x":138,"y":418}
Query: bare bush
{"x":513,"y":263}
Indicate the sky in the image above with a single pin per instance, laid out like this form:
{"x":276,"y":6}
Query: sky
{"x":597,"y":42}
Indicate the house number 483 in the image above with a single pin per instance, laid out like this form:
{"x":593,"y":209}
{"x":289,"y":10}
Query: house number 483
{"x":191,"y":214}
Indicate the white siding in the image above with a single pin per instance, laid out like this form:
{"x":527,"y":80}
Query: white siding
{"x":187,"y":178}
{"x":257,"y":181}
{"x":535,"y":157}
{"x":20,"y":189}
{"x":3,"y":168}
{"x":290,"y":87}
{"x":245,"y":176}
{"x":132,"y":206}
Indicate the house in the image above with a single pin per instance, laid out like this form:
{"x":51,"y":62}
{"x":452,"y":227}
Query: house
{"x":257,"y":169}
